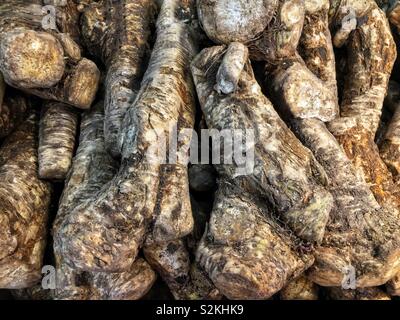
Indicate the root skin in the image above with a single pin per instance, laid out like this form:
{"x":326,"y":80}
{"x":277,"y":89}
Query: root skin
{"x":360,"y":232}
{"x":118,"y":33}
{"x":105,"y":234}
{"x":231,"y":67}
{"x":24,"y":203}
{"x":58,"y":126}
{"x":305,"y":205}
{"x":44,"y":63}
{"x":243,"y":246}
{"x":92,"y":168}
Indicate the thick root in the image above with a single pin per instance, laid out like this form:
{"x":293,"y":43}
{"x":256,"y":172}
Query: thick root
{"x":244,"y":252}
{"x":118,"y":33}
{"x":104,"y":233}
{"x":171,"y":261}
{"x":227,"y":21}
{"x":316,"y":46}
{"x":371,"y":55}
{"x":360,"y":232}
{"x":47,"y":64}
{"x":285,"y":173}
{"x":390,"y":147}
{"x":300,"y":93}
{"x":24,"y":203}
{"x":58,"y":126}
{"x":232,"y":65}
{"x":92,"y":168}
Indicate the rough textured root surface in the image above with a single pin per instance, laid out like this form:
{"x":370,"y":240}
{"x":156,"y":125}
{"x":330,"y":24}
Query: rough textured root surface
{"x":390,"y":153}
{"x":77,"y":88}
{"x":227,"y":21}
{"x":45,"y":63}
{"x":300,"y":93}
{"x":390,"y":145}
{"x":12,"y":112}
{"x":185,"y":279}
{"x":281,"y":38}
{"x":232,"y":65}
{"x":371,"y":54}
{"x":92,"y":168}
{"x":360,"y":147}
{"x":360,"y":232}
{"x":24,"y":202}
{"x":172,"y":216}
{"x":58,"y":126}
{"x":121,"y":41}
{"x":285,"y":173}
{"x":132,"y":284}
{"x":245,"y":253}
{"x":344,"y":234}
{"x":105,"y":233}
{"x":300,"y":289}
{"x":358,"y":294}
{"x":171,"y":261}
{"x":316,"y":44}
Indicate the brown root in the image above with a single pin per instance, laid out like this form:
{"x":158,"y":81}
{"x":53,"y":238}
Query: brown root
{"x":24,"y":204}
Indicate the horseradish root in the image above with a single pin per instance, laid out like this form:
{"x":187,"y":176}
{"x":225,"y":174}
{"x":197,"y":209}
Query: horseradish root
{"x":227,"y":21}
{"x":371,"y":55}
{"x":24,"y":203}
{"x":118,"y":33}
{"x":242,"y":227}
{"x":42,"y":62}
{"x":238,"y":149}
{"x":359,"y":294}
{"x":246,"y":254}
{"x":361,"y":234}
{"x":284,"y":172}
{"x":92,"y":168}
{"x":104,"y":233}
{"x":351,"y":236}
{"x":58,"y":126}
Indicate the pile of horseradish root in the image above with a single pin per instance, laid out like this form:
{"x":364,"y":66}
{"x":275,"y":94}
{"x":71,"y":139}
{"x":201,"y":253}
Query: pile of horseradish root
{"x":209,"y":149}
